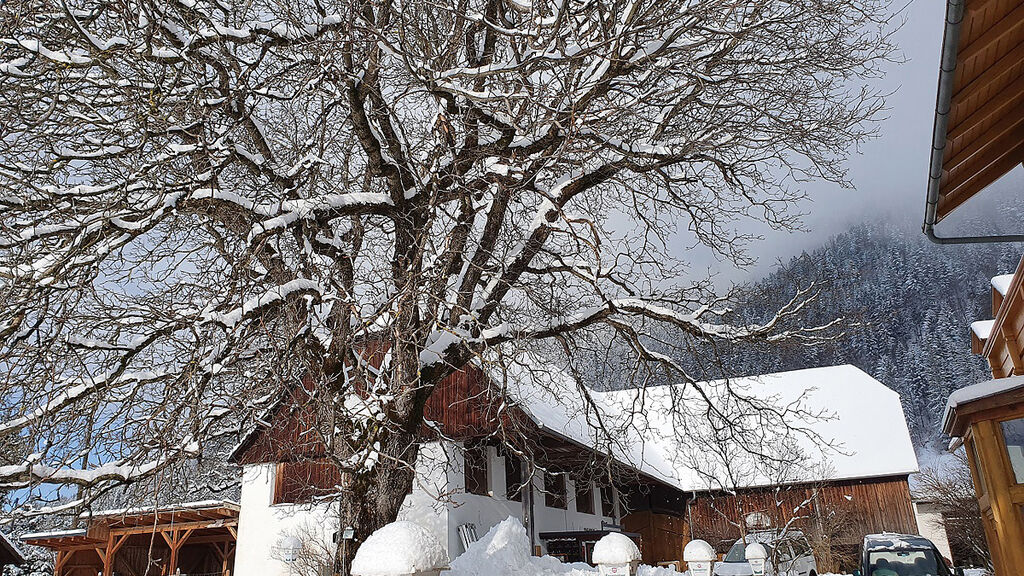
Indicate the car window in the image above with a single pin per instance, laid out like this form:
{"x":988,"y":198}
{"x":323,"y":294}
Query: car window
{"x":904,"y":563}
{"x":738,"y":553}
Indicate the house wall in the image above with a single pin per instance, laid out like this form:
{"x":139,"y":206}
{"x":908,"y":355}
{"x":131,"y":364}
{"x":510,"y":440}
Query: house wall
{"x":484,"y":512}
{"x":930,"y":525}
{"x":438,"y":502}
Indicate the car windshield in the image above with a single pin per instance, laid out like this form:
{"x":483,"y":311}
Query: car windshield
{"x":738,"y":552}
{"x":904,"y":563}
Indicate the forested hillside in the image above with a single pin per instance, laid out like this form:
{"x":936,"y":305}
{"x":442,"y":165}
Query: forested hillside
{"x":908,"y":302}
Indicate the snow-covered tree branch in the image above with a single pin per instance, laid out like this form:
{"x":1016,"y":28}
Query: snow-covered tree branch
{"x":203,"y":202}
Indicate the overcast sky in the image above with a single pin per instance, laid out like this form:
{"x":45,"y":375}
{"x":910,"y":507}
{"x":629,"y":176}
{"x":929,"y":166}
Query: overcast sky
{"x":889,"y":173}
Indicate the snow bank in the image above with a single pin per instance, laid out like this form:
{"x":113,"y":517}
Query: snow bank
{"x":505,"y":551}
{"x":399,"y":548}
{"x":615,"y":548}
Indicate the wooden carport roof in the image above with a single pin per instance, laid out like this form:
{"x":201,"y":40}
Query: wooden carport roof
{"x":979,"y":122}
{"x":191,"y":516}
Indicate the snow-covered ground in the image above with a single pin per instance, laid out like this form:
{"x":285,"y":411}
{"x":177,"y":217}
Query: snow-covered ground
{"x":505,"y":551}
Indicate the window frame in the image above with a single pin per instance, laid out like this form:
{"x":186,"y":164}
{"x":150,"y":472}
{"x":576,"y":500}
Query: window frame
{"x":556,"y":491}
{"x":587,"y":494}
{"x":478,"y":484}
{"x":514,"y":490}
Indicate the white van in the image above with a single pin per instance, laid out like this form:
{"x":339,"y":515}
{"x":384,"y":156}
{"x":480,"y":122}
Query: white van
{"x":789,"y":554}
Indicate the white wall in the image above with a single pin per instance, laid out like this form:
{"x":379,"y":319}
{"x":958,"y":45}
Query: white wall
{"x":438,"y":502}
{"x":559,"y":520}
{"x":262,"y":524}
{"x":929,"y":525}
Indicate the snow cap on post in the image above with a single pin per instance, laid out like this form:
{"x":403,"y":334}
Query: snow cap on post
{"x":699,"y":556}
{"x":400,"y":549}
{"x":756,"y":554}
{"x":616,"y":554}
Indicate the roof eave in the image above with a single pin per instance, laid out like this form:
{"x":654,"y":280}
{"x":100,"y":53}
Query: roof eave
{"x":943,"y":103}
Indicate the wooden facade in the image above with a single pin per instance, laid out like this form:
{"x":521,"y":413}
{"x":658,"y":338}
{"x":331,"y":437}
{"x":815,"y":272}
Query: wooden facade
{"x":194,"y":540}
{"x":985,"y":131}
{"x":840,"y":513}
{"x":981,"y":420}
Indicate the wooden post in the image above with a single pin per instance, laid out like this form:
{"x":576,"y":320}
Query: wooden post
{"x":175,"y":541}
{"x":62,"y":558}
{"x":113,"y":545}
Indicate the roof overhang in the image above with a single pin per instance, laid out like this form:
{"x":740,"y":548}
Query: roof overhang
{"x":966,"y":404}
{"x":978,"y":134}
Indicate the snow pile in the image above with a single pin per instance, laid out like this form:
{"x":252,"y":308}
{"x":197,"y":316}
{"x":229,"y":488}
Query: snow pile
{"x":399,"y":548}
{"x":615,"y":548}
{"x":505,"y":551}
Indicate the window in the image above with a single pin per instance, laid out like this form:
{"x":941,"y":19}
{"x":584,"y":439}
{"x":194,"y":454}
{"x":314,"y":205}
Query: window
{"x":475,"y":469}
{"x":1013,"y":435}
{"x":554,"y":491}
{"x":304,"y":481}
{"x":608,"y":501}
{"x":584,"y":497}
{"x":513,"y":478}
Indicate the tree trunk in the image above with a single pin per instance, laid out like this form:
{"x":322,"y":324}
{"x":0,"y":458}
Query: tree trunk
{"x":374,"y":498}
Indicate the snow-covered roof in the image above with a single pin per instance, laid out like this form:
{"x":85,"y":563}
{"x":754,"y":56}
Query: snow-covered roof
{"x":1001,"y":283}
{"x":842,"y":405}
{"x":979,"y":391}
{"x":198,"y":505}
{"x":53,"y":534}
{"x":982,"y":328}
{"x":7,"y":544}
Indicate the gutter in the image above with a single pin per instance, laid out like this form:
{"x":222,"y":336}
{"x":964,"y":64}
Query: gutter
{"x":947,"y":70}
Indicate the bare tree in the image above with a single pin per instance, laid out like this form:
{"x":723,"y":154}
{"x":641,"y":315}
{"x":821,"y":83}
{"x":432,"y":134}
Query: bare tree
{"x":949,"y":485}
{"x":203,"y":202}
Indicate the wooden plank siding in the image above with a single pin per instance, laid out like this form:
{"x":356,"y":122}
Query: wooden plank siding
{"x":844,"y":511}
{"x":464,"y":405}
{"x":985,"y":131}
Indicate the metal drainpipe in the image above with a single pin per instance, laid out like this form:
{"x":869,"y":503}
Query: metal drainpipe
{"x":947,"y":69}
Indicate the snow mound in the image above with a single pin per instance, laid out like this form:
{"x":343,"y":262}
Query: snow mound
{"x":399,"y":548}
{"x":615,"y":548}
{"x":505,"y":551}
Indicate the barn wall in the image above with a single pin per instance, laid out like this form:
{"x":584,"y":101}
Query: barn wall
{"x":846,"y":510}
{"x":663,"y":536}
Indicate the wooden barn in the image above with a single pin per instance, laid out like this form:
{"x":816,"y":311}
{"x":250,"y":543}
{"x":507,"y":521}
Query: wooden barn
{"x":581,"y":489}
{"x":196,"y":539}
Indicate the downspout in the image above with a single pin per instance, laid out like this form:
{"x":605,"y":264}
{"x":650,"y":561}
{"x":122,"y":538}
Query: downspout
{"x":947,"y":70}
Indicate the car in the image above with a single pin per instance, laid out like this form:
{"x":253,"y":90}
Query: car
{"x":890,"y":554}
{"x":789,"y":554}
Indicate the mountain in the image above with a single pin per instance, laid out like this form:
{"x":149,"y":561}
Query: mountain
{"x":906,"y":303}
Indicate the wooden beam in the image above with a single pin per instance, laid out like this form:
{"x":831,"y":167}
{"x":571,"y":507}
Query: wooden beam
{"x":992,"y":137}
{"x":62,"y":558}
{"x":992,"y":74}
{"x":227,"y":523}
{"x":954,"y":196}
{"x":993,"y":107}
{"x":1005,"y":26}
